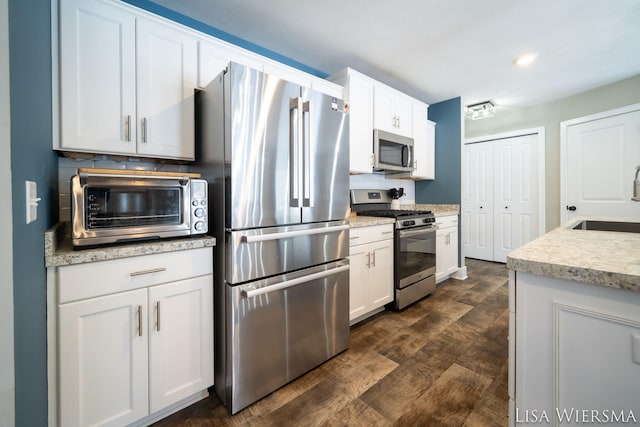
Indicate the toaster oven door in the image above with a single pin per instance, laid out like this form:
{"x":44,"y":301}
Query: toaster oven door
{"x":108,"y":210}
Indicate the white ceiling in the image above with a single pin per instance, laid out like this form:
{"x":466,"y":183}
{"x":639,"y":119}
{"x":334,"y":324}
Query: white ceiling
{"x":439,"y":49}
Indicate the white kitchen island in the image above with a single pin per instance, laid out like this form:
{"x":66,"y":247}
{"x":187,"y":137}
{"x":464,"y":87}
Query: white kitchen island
{"x":574,"y":329}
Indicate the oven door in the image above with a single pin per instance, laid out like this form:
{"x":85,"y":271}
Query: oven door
{"x":415,"y":255}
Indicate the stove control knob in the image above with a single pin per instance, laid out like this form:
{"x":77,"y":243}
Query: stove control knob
{"x":411,"y":222}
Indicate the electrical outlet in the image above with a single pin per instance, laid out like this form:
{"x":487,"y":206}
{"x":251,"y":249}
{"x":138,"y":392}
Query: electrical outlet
{"x":32,"y":200}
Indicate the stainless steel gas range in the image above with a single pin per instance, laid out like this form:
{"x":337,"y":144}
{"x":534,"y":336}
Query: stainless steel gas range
{"x":414,"y":245}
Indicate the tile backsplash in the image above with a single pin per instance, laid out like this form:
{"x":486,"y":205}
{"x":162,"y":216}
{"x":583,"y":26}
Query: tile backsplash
{"x":67,"y":167}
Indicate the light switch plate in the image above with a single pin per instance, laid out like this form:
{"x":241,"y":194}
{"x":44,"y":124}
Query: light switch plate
{"x":32,"y":200}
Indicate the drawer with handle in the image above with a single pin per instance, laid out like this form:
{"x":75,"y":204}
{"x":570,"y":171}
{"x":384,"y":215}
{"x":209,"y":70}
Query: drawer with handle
{"x":80,"y":281}
{"x":374,"y":233}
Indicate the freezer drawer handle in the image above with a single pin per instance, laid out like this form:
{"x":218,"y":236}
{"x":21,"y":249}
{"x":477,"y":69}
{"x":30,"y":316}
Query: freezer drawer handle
{"x":293,"y":282}
{"x":294,"y":233}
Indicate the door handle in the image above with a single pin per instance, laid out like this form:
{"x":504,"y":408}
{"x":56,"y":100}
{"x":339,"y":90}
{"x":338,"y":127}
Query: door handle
{"x":139,"y":320}
{"x":571,"y":208}
{"x":295,"y":137}
{"x":307,"y":200}
{"x":127,"y":128}
{"x":144,"y":130}
{"x":293,"y":282}
{"x":373,"y":263}
{"x":368,"y":259}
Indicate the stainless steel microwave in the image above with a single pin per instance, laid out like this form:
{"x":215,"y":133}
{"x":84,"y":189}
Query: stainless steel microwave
{"x":112,"y":206}
{"x":392,"y":152}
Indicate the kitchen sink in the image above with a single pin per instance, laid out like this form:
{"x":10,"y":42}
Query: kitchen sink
{"x":625,"y":227}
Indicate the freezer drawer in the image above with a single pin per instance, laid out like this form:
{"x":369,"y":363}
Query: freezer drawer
{"x":280,"y":328}
{"x":264,"y":252}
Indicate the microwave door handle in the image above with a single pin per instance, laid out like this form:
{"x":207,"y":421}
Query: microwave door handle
{"x":293,"y":282}
{"x":294,"y":151}
{"x":307,"y":200}
{"x":405,"y":156}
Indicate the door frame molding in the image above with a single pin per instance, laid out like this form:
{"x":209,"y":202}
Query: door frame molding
{"x":564,"y":139}
{"x":540,"y":131}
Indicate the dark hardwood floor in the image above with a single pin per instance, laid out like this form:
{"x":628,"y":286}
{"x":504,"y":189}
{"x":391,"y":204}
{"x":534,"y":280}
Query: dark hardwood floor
{"x":440,"y":362}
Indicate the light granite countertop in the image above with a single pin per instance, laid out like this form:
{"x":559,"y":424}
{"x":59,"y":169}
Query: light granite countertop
{"x":58,"y":250}
{"x":437,"y":209}
{"x":604,"y":258}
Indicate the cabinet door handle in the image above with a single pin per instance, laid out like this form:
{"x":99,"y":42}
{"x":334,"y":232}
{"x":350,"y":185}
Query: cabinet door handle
{"x":139,"y":320}
{"x":368,"y":259}
{"x":144,"y":130}
{"x":387,"y":232}
{"x":153,"y":270}
{"x":127,"y":128}
{"x":158,"y":316}
{"x":373,"y":263}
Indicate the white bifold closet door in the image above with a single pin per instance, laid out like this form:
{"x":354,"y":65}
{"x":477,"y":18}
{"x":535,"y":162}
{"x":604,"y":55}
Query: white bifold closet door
{"x":501,"y":196}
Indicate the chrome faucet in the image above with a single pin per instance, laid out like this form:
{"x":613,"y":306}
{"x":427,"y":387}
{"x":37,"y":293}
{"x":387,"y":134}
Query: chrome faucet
{"x":636,"y":187}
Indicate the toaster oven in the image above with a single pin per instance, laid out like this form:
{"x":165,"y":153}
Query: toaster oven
{"x":113,"y":206}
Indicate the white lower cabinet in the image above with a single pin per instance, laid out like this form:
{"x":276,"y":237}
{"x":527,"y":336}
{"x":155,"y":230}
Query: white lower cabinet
{"x":446,"y":247}
{"x":371,"y":270}
{"x":126,"y":355}
{"x":574,"y":351}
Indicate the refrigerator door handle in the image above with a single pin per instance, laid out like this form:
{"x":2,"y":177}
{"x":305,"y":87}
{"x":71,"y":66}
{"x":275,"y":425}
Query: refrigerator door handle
{"x":295,"y":155}
{"x":293,"y":282}
{"x":294,"y":233}
{"x":307,"y":199}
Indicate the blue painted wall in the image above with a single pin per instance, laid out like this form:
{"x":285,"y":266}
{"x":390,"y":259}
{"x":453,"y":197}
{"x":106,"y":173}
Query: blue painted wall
{"x":31,"y":159}
{"x":446,"y":187}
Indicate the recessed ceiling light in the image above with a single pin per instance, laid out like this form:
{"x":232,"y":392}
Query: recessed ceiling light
{"x":526,"y":59}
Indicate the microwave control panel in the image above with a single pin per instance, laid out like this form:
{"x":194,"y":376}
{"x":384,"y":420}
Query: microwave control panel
{"x":199,"y":207}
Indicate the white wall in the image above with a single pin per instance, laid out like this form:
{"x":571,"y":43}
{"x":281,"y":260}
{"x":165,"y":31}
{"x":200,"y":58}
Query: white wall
{"x":7,"y":386}
{"x":379,"y":182}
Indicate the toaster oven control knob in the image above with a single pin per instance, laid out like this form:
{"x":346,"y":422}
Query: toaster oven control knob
{"x":410,"y":222}
{"x":194,"y":203}
{"x":199,"y":226}
{"x":203,"y":203}
{"x":199,"y":213}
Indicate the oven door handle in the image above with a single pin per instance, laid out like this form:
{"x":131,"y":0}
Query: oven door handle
{"x":293,"y":282}
{"x":414,"y":232}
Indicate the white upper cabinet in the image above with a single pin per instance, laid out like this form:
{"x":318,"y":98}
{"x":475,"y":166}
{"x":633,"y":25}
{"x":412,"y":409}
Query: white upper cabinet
{"x":126,"y":83}
{"x":167,"y":61}
{"x":358,"y":93}
{"x":423,"y":143}
{"x":392,"y":110}
{"x":97,"y":78}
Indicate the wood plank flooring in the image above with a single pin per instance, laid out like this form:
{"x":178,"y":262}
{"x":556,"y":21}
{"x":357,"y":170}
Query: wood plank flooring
{"x":440,"y":362}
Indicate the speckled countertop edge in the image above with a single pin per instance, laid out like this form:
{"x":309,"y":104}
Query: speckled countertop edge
{"x":59,"y":252}
{"x":598,"y":257}
{"x":437,"y":209}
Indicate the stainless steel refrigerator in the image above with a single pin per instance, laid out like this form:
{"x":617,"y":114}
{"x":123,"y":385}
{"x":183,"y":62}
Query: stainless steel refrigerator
{"x":276,"y":157}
